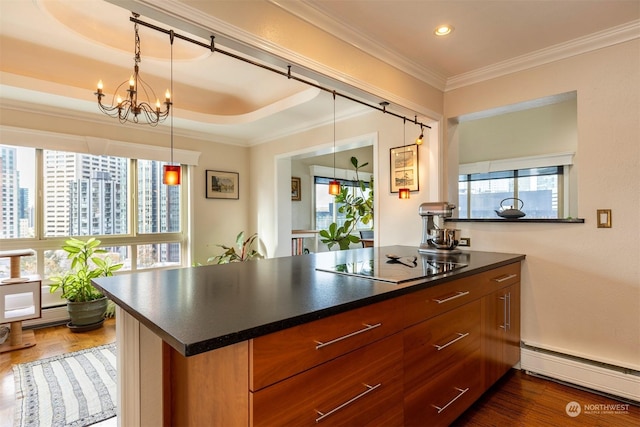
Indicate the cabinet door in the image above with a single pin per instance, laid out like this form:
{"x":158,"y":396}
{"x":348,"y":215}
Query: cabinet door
{"x":442,"y":366}
{"x":501,"y":339}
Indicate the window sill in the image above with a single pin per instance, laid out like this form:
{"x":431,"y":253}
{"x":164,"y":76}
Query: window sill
{"x":511,"y":220}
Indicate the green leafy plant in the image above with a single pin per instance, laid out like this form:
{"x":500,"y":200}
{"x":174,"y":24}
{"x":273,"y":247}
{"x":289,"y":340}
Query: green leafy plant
{"x":85,"y":265}
{"x":245,"y":251}
{"x":358,"y":208}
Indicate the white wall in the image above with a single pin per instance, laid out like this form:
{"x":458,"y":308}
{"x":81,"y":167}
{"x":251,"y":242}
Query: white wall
{"x":581,"y":284}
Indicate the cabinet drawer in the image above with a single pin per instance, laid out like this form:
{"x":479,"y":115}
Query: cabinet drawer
{"x":282,"y":354}
{"x":440,"y":401}
{"x":361,"y":388}
{"x":432,"y":301}
{"x":438,"y":299}
{"x":501,"y":277}
{"x":431,"y":347}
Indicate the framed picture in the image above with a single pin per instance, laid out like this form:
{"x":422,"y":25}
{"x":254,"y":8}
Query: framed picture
{"x":295,"y":189}
{"x":404,"y":168}
{"x":222,"y":185}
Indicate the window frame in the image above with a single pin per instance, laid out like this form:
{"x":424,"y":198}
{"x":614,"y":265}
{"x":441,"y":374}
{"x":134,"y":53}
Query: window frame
{"x":515,"y":176}
{"x":41,"y":140}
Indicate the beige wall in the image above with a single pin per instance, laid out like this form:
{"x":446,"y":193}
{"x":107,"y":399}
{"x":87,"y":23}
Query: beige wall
{"x":581,"y":284}
{"x":315,"y":48}
{"x":396,"y":221}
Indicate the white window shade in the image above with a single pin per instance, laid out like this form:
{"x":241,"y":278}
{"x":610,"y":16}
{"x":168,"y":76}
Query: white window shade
{"x":547,"y":160}
{"x":96,"y":146}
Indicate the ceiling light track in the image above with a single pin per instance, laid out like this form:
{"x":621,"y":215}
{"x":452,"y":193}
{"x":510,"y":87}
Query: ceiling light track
{"x":383,"y":105}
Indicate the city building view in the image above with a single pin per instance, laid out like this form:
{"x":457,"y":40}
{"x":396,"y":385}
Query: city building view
{"x":85,"y":195}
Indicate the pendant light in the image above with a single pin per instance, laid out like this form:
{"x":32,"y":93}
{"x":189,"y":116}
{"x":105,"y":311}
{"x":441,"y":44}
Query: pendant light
{"x":171,"y":172}
{"x":420,"y":139}
{"x":404,"y":192}
{"x":334,"y":185}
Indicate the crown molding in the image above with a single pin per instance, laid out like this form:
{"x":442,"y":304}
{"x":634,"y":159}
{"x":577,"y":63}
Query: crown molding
{"x":311,"y":13}
{"x":602,"y":39}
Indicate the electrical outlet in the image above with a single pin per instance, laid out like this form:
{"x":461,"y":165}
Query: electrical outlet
{"x":465,"y":241}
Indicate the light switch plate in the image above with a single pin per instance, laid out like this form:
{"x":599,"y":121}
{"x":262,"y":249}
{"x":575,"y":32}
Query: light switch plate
{"x":604,"y":218}
{"x":465,"y":241}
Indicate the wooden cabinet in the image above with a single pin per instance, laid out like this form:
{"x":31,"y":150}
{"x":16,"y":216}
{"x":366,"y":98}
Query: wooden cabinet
{"x":415,"y":360}
{"x":458,"y":336}
{"x":442,"y":365}
{"x":501,"y":329}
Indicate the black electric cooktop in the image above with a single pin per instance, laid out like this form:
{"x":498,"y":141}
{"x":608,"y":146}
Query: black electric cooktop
{"x":395,"y":269}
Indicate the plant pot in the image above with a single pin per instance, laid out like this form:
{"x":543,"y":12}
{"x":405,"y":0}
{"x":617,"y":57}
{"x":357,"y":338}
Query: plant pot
{"x":87,"y":313}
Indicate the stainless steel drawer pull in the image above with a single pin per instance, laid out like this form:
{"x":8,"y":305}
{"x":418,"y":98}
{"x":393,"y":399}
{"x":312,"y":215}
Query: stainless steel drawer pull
{"x":333,"y":341}
{"x":508,"y":312}
{"x":452,"y":400}
{"x":458,"y":338}
{"x":369,"y":389}
{"x":457,"y":295}
{"x":505,"y":278}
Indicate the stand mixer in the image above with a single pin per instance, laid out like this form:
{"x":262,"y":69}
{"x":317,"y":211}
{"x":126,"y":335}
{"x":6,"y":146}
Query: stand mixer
{"x":434,"y":239}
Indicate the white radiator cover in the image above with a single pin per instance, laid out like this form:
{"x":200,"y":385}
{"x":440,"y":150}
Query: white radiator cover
{"x":50,"y":315}
{"x":597,"y":376}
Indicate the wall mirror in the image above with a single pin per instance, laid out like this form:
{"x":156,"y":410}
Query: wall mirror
{"x":525,"y":151}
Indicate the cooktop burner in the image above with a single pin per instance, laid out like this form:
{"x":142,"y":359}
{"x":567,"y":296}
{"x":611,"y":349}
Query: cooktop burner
{"x":395,"y":270}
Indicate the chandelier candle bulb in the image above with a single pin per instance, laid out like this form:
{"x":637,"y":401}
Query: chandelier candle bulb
{"x":100,"y":87}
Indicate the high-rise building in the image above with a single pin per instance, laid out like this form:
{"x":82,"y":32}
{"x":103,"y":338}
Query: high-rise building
{"x":84,"y":194}
{"x":9,"y":185}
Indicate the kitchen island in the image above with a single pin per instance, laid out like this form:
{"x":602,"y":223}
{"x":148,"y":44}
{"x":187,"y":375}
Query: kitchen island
{"x":290,"y":340}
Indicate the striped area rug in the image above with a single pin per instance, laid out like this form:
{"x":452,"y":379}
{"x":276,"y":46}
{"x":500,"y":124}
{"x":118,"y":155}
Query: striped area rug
{"x":74,"y":389}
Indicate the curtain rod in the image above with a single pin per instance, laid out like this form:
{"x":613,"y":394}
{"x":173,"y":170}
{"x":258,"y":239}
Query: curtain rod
{"x":212,"y":47}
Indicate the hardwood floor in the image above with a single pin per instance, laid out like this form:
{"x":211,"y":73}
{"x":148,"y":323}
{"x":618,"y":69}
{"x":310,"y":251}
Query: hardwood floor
{"x":517,"y":399}
{"x":49,"y":342}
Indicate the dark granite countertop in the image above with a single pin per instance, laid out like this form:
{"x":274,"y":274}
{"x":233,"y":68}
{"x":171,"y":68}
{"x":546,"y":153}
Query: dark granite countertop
{"x":199,"y":309}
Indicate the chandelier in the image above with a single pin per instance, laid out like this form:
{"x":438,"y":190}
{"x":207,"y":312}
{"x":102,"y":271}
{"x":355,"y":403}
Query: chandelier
{"x":132,"y":108}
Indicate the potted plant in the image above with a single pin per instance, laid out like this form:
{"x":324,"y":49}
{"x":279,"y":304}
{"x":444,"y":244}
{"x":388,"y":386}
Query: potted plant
{"x":358,"y":208}
{"x":86,"y":304}
{"x":245,"y":251}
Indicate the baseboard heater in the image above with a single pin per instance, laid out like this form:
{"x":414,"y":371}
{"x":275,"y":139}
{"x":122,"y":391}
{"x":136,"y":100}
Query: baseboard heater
{"x":51,"y":316}
{"x":603,"y":378}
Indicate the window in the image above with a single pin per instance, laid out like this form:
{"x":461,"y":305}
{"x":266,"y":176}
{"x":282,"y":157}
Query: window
{"x":540,"y":189}
{"x":88,"y":195}
{"x":17,"y":179}
{"x":84,"y":195}
{"x":326,"y":210}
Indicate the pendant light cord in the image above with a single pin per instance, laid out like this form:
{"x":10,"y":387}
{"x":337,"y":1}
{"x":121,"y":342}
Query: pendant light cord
{"x":171,"y":36}
{"x":334,"y":135}
{"x":404,"y":151}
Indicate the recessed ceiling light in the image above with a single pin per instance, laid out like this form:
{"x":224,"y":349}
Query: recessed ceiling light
{"x":443,"y":30}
